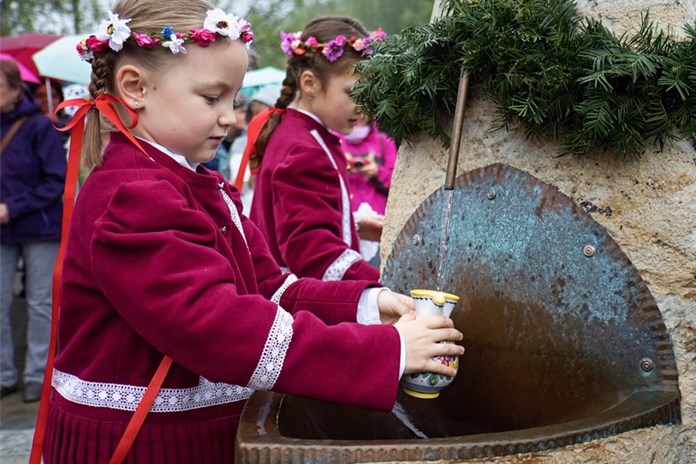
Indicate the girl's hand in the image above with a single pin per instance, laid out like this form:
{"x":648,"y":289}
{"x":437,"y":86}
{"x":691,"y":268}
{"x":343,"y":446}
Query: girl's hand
{"x":369,"y":168}
{"x":421,"y":339}
{"x":393,"y":305}
{"x":370,"y":227}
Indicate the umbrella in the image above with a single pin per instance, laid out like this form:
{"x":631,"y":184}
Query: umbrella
{"x":257,"y":78}
{"x":25,"y":74}
{"x":60,"y":60}
{"x":22,"y":47}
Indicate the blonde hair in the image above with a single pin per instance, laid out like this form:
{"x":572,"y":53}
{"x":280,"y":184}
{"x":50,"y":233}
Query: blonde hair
{"x":147,"y":16}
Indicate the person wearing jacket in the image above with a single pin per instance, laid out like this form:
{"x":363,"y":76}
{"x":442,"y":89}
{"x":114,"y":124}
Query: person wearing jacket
{"x":32,"y":178}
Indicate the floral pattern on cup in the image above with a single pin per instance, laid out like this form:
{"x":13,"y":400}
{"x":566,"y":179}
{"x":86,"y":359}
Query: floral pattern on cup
{"x":427,"y":384}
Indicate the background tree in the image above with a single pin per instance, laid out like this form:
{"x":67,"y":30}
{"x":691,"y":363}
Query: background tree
{"x":52,"y":16}
{"x":268,"y":17}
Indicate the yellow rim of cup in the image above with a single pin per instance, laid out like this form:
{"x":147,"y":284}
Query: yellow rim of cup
{"x":421,"y":395}
{"x":437,"y":296}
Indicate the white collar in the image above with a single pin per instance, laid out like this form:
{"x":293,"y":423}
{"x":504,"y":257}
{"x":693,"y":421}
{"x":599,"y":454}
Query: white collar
{"x":181,"y":159}
{"x":311,"y":115}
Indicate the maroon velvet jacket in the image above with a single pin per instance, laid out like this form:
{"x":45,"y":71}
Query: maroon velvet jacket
{"x":155,"y":265}
{"x":302,"y":203}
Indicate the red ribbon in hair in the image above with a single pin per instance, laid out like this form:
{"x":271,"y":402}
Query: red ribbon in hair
{"x":105,"y":103}
{"x":253,"y":131}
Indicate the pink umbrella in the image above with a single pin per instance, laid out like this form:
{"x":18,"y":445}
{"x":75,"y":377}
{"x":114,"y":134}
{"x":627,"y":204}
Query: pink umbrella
{"x":23,"y":46}
{"x":25,"y":74}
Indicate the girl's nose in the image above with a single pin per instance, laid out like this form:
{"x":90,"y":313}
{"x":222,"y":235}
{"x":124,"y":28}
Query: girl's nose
{"x":228,"y":118}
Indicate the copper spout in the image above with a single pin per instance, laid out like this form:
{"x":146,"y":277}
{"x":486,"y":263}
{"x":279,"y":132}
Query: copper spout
{"x":457,"y":131}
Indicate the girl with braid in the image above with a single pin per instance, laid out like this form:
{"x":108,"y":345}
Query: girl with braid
{"x":302,"y":199}
{"x":171,"y":303}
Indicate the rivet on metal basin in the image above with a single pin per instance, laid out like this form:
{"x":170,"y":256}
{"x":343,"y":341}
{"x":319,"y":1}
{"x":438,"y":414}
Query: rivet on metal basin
{"x":491,"y":194}
{"x":588,"y":250}
{"x":647,"y":364}
{"x":417,"y":240}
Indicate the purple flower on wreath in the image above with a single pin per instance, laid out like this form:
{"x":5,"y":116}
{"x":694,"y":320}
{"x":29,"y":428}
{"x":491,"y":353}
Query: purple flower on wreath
{"x":144,"y":40}
{"x":286,"y":41}
{"x":334,"y":49}
{"x":202,"y":37}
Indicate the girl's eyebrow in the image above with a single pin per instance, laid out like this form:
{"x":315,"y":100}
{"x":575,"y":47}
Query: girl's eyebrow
{"x":218,"y":84}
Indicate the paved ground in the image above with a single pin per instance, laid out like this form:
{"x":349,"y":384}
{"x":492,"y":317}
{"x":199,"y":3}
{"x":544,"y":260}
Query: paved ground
{"x":17,"y":418}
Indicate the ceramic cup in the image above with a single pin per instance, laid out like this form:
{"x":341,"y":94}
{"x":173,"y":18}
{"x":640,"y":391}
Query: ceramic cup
{"x":426,"y":384}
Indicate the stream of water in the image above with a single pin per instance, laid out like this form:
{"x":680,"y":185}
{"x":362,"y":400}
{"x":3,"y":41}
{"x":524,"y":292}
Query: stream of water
{"x":445,"y":239}
{"x":400,"y":414}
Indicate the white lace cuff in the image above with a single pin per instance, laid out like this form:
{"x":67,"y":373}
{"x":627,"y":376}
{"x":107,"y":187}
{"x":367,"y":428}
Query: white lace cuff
{"x":338,"y":268}
{"x":271,"y":363}
{"x":291,"y":279}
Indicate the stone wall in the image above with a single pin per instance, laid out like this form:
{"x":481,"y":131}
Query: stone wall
{"x":652,"y":204}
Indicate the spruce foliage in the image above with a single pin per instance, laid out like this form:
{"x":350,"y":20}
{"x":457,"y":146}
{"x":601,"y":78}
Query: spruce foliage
{"x":551,"y":73}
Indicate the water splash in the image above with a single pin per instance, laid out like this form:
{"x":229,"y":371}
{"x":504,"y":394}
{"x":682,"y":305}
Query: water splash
{"x":400,"y":414}
{"x":445,"y":239}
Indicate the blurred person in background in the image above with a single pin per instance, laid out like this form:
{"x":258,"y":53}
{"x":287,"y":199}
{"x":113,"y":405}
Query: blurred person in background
{"x":48,"y":95}
{"x":260,"y":100}
{"x":371,"y":156}
{"x":32,"y":178}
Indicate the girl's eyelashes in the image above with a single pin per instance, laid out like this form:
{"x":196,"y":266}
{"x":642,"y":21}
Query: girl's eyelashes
{"x":210,"y":99}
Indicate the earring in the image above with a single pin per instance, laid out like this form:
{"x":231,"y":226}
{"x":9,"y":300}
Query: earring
{"x":137,"y":104}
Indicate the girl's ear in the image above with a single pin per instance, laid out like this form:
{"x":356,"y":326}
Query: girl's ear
{"x":309,"y":84}
{"x":130,"y":85}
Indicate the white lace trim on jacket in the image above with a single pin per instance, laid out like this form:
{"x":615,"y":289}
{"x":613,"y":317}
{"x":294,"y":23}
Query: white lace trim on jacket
{"x":291,"y":279}
{"x":339,"y":267}
{"x":127,"y":397}
{"x":271,"y":363}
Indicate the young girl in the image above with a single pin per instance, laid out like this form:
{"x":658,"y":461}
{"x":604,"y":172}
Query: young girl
{"x":160,"y":264}
{"x":302,"y":197}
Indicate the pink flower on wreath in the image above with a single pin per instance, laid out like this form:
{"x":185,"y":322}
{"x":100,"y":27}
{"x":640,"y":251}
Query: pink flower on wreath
{"x":95,"y":44}
{"x":202,"y":37}
{"x":335,"y":48}
{"x":246,"y":35}
{"x":144,"y":40}
{"x":84,"y":51}
{"x":297,"y":48}
{"x":312,"y":42}
{"x":359,"y":45}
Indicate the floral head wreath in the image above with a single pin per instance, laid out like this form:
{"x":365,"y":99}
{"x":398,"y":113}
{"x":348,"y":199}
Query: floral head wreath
{"x":292,"y":44}
{"x":114,"y":32}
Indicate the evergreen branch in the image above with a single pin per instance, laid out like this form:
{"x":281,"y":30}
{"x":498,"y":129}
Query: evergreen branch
{"x":550,"y":73}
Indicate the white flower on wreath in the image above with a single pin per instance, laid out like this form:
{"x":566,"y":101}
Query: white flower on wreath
{"x":222,"y":23}
{"x":175,"y":44}
{"x":114,"y":30}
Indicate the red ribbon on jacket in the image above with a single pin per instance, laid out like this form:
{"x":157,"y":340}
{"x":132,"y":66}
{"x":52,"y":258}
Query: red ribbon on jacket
{"x":105,"y":103}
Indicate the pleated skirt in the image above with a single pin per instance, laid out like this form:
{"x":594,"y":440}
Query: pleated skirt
{"x":72,"y":438}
